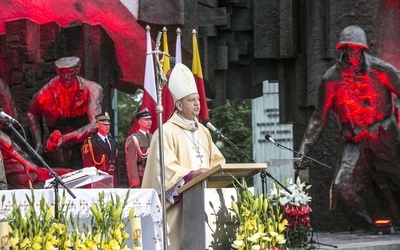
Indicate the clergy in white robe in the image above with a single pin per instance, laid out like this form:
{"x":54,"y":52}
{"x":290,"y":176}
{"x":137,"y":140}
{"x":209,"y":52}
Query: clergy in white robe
{"x":188,"y":150}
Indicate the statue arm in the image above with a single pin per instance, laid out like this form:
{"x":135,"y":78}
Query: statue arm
{"x":78,"y":135}
{"x":15,"y":152}
{"x":318,"y":119}
{"x":34,"y":124}
{"x":393,"y":80}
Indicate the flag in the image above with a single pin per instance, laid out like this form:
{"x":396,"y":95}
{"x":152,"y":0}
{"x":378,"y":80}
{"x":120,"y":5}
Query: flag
{"x":198,"y":76}
{"x":178,"y":52}
{"x":149,"y":100}
{"x":167,"y":99}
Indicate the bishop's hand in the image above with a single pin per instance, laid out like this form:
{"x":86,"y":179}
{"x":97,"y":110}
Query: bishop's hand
{"x":199,"y":172}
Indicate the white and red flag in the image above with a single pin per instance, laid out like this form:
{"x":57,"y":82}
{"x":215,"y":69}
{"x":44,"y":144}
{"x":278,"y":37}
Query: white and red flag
{"x":149,"y":100}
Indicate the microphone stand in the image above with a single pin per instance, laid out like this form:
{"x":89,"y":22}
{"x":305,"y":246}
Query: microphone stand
{"x":161,"y":80}
{"x":263,"y":173}
{"x":56,"y":180}
{"x":312,"y":241}
{"x":301,"y":155}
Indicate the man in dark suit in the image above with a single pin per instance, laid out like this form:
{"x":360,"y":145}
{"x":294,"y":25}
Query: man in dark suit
{"x":101,"y":150}
{"x":136,"y":146}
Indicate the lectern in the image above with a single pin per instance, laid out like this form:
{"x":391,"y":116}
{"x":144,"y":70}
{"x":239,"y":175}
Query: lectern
{"x":206,"y":206}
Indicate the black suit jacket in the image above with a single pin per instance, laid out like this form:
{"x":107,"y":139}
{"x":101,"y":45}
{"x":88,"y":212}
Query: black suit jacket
{"x":95,"y":152}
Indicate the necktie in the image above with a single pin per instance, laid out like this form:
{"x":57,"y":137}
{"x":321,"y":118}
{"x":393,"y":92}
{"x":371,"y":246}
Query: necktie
{"x":109,"y":145}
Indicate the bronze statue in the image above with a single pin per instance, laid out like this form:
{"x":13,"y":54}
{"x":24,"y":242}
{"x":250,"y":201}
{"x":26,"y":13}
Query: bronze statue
{"x":68,"y":104}
{"x":18,"y":168}
{"x":358,"y":91}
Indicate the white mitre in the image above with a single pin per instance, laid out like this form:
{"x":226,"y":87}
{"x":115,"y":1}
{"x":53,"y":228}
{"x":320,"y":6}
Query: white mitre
{"x":181,"y":82}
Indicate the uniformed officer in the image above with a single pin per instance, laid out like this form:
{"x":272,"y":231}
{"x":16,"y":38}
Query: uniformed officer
{"x":100,"y":150}
{"x":136,"y":146}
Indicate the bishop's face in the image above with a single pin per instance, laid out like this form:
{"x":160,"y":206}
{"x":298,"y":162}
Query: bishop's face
{"x":189,"y":106}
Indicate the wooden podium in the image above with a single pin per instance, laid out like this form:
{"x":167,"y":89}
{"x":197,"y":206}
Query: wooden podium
{"x":221,"y":176}
{"x":206,"y":206}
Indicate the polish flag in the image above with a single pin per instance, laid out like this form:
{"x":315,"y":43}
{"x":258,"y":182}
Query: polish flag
{"x":198,"y":76}
{"x":149,"y":100}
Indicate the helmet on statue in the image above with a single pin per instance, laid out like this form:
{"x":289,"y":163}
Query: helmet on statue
{"x":352,"y":36}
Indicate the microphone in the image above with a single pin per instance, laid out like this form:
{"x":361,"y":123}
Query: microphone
{"x":209,"y":125}
{"x":4,"y":115}
{"x":269,"y":138}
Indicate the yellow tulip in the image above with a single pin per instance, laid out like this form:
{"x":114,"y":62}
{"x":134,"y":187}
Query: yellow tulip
{"x":49,"y":214}
{"x":235,"y":207}
{"x":255,"y":204}
{"x":265,"y":206}
{"x":117,"y":213}
{"x":131,"y":213}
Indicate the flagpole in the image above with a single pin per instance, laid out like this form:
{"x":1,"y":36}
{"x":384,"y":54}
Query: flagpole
{"x":161,"y":81}
{"x":178,"y":52}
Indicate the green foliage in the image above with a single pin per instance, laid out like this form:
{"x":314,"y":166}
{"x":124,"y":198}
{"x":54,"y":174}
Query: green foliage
{"x":235,"y":122}
{"x":127,"y":107}
{"x":233,"y":119}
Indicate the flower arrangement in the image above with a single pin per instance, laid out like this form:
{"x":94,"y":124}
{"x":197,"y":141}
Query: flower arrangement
{"x":278,"y":221}
{"x":261,"y":224}
{"x":41,"y":230}
{"x":296,"y":211}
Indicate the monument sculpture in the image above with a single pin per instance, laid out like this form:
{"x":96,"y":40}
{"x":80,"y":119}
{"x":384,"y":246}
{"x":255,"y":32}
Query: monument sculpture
{"x":358,"y":91}
{"x":68,"y":104}
{"x":17,"y":165}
